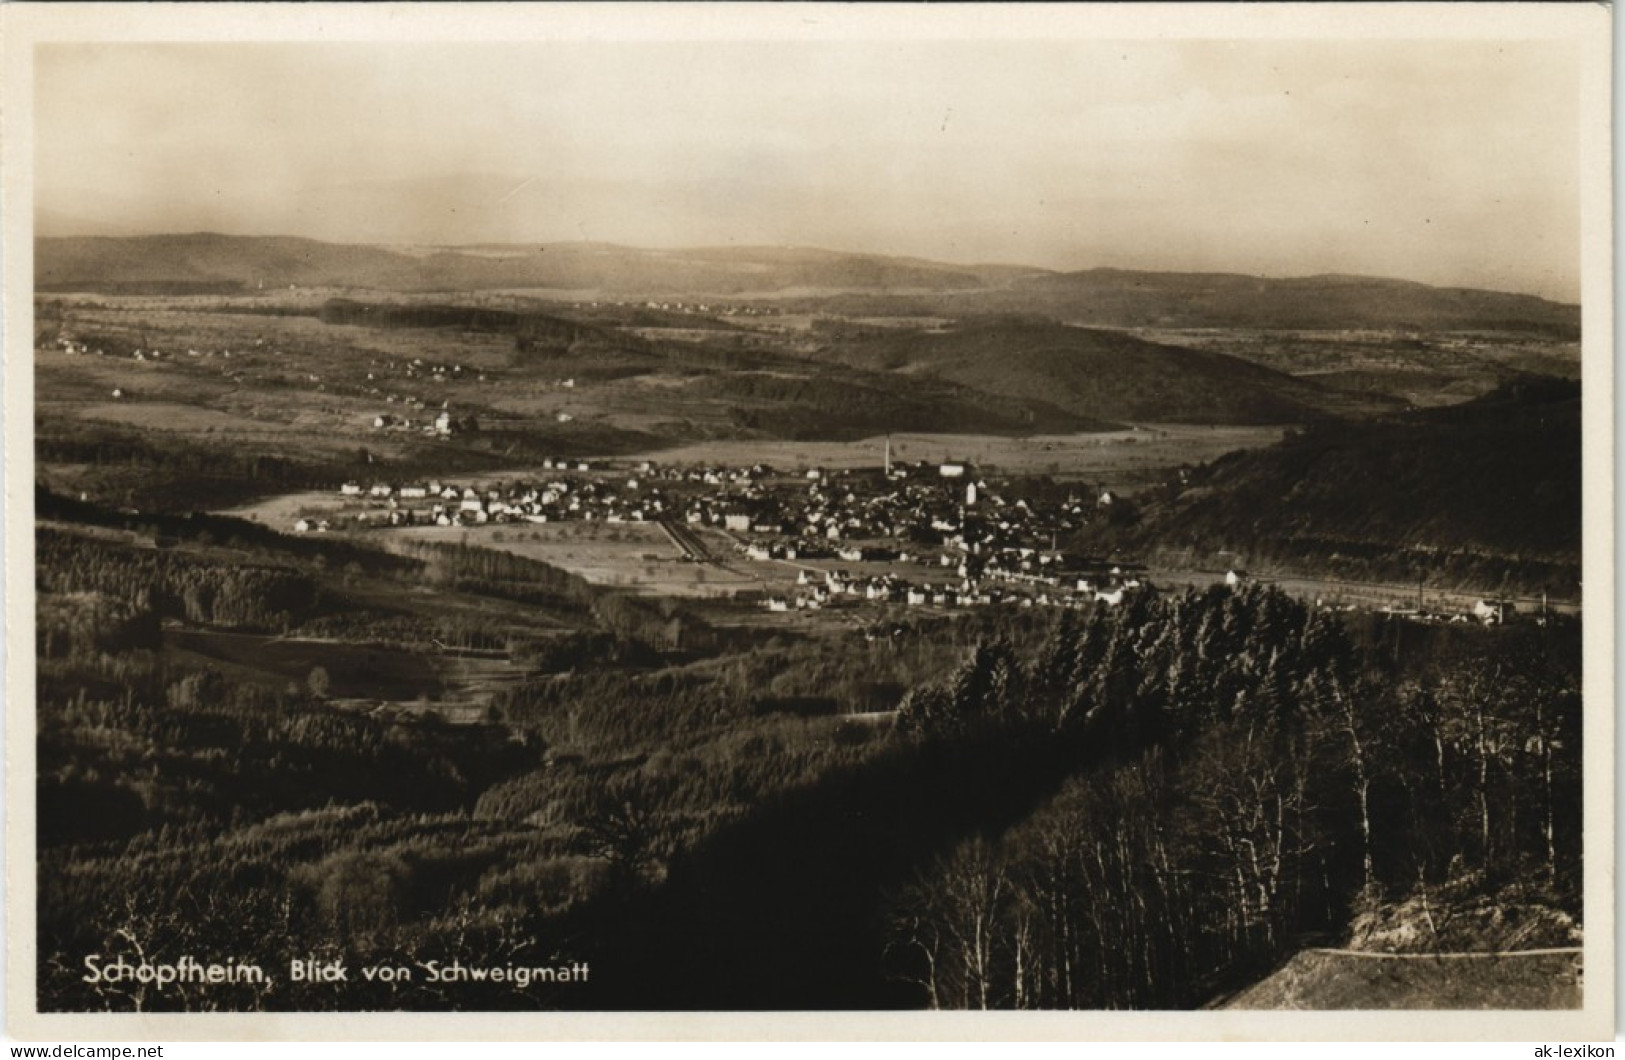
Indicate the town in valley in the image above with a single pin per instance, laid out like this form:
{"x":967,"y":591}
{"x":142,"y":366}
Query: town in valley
{"x":1082,"y":550}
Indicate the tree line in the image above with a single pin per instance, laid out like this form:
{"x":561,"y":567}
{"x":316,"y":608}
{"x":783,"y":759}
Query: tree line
{"x":1251,"y":783}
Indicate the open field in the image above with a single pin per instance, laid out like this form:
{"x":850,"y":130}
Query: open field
{"x":270,"y":409}
{"x":1118,"y":458}
{"x":280,"y":513}
{"x":353,"y":669}
{"x":627,"y":555}
{"x":166,"y":416}
{"x":459,"y":686}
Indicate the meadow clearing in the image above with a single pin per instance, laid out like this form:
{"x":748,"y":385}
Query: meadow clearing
{"x":1119,"y":459}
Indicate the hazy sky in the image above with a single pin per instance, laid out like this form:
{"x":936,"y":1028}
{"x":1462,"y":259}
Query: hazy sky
{"x":1453,"y":163}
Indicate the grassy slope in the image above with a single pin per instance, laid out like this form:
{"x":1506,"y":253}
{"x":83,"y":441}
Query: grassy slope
{"x":1318,"y":979}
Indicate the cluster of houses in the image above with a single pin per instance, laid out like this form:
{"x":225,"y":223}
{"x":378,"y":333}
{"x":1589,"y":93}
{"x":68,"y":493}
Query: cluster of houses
{"x":1490,"y":612}
{"x":702,"y":308}
{"x":991,"y":546}
{"x":921,"y":503}
{"x":75,"y":348}
{"x":995,"y":548}
{"x":568,"y":490}
{"x":905,"y":509}
{"x":816,"y":589}
{"x":443,"y":425}
{"x":556,"y":499}
{"x":418,"y":370}
{"x":423,"y":371}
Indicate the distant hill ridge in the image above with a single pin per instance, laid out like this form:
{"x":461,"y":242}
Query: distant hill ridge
{"x":276,"y":261}
{"x":1330,"y":300}
{"x":1103,"y":296}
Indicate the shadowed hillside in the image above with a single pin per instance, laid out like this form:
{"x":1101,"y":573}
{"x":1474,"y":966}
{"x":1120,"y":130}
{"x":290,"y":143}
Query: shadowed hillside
{"x":1107,"y":375}
{"x":836,"y":405}
{"x":1489,"y":488}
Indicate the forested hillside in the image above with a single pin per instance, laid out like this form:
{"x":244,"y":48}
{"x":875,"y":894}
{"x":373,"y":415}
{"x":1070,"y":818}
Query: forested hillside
{"x":1135,"y":807}
{"x":1484,"y":494}
{"x":862,"y":405}
{"x":1251,"y":782}
{"x":1105,"y":375}
{"x":1128,"y":298}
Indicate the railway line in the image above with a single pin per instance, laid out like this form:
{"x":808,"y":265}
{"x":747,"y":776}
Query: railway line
{"x":688,"y":542}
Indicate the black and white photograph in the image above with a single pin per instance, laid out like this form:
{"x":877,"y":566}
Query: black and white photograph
{"x":869,"y":509}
